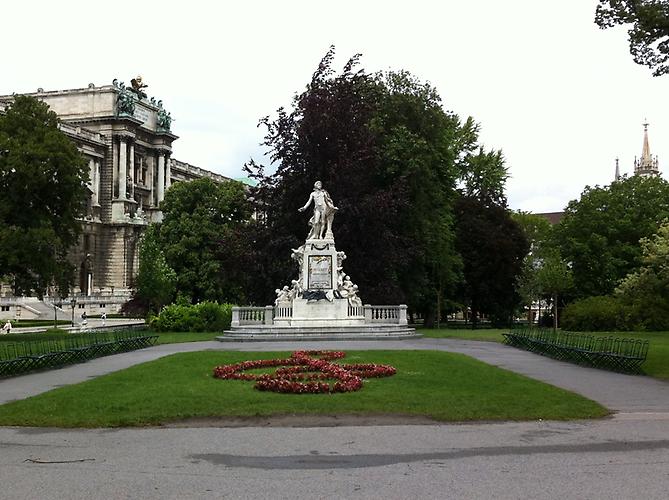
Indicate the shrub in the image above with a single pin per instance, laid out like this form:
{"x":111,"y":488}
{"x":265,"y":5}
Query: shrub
{"x":202,"y":317}
{"x":601,"y":313}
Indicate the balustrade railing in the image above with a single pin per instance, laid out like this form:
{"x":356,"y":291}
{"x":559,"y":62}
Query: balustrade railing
{"x":242,"y":316}
{"x":386,"y":314}
{"x":283,"y":312}
{"x":355,"y":311}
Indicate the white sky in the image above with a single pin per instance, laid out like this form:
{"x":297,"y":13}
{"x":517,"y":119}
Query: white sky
{"x":560,"y":97}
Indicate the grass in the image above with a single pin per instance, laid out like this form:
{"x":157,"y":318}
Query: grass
{"x":178,"y":337}
{"x":25,"y":323}
{"x":163,"y":338}
{"x":487,"y":334}
{"x":440,"y":385}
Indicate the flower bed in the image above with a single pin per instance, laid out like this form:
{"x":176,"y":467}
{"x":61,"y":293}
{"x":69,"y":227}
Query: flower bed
{"x":306,"y":372}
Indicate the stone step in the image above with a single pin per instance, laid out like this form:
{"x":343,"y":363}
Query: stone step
{"x":273,"y":333}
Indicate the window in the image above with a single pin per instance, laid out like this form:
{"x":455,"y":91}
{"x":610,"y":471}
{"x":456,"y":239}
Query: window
{"x":4,"y":308}
{"x":81,"y":306}
{"x":102,"y":306}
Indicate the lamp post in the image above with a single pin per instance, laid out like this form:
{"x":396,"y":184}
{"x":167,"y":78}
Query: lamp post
{"x":73,"y":303}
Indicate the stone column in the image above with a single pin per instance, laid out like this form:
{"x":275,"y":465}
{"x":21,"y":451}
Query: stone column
{"x":132,"y":170}
{"x":161,"y":177}
{"x":91,"y":183}
{"x":122,"y":168}
{"x":269,"y":315}
{"x":96,"y":182}
{"x":403,"y":315}
{"x":168,"y":174}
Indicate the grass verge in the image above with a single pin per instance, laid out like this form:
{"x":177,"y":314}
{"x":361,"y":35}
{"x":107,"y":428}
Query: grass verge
{"x":443,"y":386}
{"x":487,"y":334}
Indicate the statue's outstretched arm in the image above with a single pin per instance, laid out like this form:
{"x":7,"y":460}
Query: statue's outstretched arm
{"x":306,"y":205}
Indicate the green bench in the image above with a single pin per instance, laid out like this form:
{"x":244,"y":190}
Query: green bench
{"x":22,"y":357}
{"x":610,"y":353}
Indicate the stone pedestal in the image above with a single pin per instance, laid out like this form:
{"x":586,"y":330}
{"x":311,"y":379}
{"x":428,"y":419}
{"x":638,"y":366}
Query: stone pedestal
{"x":122,"y":209}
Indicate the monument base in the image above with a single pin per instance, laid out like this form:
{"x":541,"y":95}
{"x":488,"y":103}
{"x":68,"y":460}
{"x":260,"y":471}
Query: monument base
{"x":273,"y":333}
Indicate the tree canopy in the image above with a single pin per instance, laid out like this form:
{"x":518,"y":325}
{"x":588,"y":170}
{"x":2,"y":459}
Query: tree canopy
{"x":646,"y":290}
{"x":649,"y":31}
{"x":599,"y":234}
{"x":156,"y":280}
{"x":493,"y":247}
{"x":203,"y":239}
{"x":43,"y":191}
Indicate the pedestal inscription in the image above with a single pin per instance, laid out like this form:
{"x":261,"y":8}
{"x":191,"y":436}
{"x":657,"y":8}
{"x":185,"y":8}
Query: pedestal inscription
{"x":320,"y":272}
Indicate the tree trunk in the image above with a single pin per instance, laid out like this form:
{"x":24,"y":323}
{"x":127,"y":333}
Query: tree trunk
{"x":439,"y":308}
{"x":555,"y":321}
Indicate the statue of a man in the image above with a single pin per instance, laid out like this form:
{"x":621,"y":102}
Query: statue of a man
{"x":324,"y":211}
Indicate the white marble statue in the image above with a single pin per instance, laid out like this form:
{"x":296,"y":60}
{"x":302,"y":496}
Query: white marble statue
{"x":282,"y":295}
{"x":297,"y":254}
{"x":324,"y":212}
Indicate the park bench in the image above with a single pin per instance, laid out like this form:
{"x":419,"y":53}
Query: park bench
{"x":611,"y":353}
{"x":21,"y":357}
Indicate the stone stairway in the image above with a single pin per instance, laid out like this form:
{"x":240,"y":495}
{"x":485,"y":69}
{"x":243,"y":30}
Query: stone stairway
{"x":262,"y":333}
{"x":45,"y":309}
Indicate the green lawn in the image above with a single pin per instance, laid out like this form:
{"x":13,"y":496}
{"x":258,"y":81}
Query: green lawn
{"x":163,"y":338}
{"x":443,"y":386}
{"x":177,"y":337}
{"x":26,"y":323}
{"x":487,"y":334}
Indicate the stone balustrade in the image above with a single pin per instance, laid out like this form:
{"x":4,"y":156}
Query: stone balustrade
{"x":386,"y":314}
{"x":241,"y":316}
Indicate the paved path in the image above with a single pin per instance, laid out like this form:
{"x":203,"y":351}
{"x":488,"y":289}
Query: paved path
{"x":622,"y":457}
{"x":93,"y":324}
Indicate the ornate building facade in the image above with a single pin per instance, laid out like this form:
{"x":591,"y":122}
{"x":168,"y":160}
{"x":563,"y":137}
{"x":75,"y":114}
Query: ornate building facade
{"x":127,"y":139}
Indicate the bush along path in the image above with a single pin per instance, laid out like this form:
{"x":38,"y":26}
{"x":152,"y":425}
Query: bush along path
{"x":306,"y":372}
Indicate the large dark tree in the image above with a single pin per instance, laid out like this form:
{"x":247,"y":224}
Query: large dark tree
{"x":649,"y":31}
{"x":389,"y":156}
{"x":493,"y":247}
{"x":204,"y":239}
{"x":599,"y":234}
{"x":42,"y":192}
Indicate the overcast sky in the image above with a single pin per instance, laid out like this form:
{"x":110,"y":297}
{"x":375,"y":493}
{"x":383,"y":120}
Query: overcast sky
{"x":559,"y":96}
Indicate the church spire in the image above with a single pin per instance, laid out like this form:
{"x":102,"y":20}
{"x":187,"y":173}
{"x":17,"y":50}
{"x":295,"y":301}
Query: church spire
{"x":617,"y":178}
{"x":647,"y":165}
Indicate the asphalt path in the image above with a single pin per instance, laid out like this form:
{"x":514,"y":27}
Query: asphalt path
{"x":624,"y":456}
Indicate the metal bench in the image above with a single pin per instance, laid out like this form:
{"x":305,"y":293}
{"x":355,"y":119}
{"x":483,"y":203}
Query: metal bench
{"x":610,"y":353}
{"x":22,"y":357}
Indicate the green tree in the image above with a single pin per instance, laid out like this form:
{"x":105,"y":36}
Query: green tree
{"x":484,"y":176}
{"x":554,"y":278}
{"x":599,"y":234}
{"x":156,"y":280}
{"x":493,"y":247}
{"x":646,"y":290}
{"x":43,"y":187}
{"x":538,"y":232}
{"x":203,"y":237}
{"x":649,"y":33}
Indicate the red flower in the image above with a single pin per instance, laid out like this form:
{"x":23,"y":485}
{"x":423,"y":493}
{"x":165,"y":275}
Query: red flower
{"x":302,"y":373}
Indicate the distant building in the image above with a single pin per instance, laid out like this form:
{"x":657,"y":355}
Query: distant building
{"x":127,"y":139}
{"x":552,"y":217}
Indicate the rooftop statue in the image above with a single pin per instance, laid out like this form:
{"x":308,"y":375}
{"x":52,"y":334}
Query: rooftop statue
{"x":324,"y":212}
{"x":137,"y":86}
